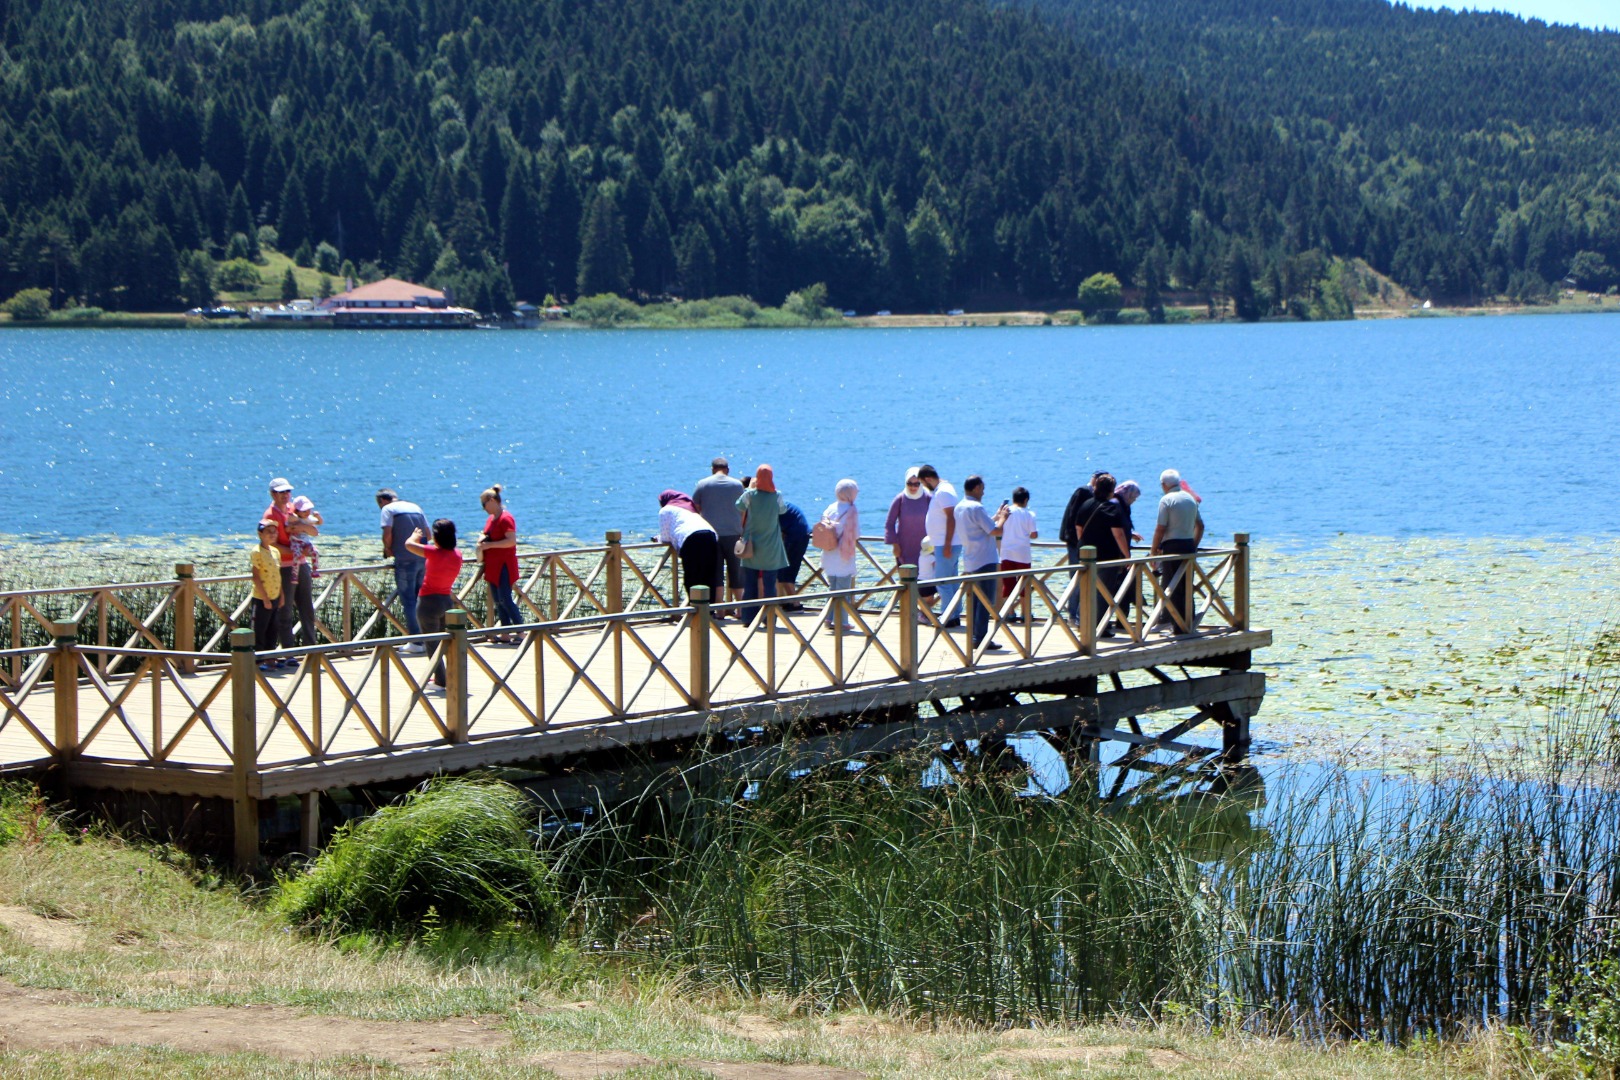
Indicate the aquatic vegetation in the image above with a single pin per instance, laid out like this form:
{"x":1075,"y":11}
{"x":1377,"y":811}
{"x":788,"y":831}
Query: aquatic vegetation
{"x":454,"y":853}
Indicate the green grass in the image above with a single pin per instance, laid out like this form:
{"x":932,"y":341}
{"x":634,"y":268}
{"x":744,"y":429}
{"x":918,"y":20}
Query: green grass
{"x":452,"y":854}
{"x":156,"y":931}
{"x":271,"y":271}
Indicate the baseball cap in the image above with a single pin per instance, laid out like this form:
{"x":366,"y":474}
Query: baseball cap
{"x":280,"y":484}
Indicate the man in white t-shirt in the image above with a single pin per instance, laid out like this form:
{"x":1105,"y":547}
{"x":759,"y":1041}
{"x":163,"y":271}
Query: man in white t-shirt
{"x":941,"y":523}
{"x":1016,"y":550}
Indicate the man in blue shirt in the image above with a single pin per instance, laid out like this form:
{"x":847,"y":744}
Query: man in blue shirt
{"x":978,"y":531}
{"x":400,"y":521}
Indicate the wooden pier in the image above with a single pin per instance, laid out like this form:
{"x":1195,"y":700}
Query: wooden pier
{"x":152,"y":687}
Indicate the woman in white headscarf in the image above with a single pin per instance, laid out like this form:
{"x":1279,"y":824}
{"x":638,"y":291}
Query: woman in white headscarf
{"x":907,"y":523}
{"x":838,"y":563}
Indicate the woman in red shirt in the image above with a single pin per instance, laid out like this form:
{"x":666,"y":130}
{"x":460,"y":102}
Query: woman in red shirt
{"x":497,"y":550}
{"x":438,"y":580}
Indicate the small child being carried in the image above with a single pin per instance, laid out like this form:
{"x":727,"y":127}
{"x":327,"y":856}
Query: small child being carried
{"x":303,"y":522}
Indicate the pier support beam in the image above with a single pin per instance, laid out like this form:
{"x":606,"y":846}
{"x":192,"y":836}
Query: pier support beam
{"x":309,"y":823}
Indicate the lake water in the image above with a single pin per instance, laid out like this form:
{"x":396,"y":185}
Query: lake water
{"x":1423,"y":427}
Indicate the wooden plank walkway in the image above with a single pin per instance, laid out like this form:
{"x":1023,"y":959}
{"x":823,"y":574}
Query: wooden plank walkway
{"x":622,"y":666}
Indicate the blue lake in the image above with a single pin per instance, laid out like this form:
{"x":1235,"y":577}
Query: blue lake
{"x":1472,"y":426}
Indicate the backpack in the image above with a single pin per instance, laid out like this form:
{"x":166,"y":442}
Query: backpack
{"x":824,"y":536}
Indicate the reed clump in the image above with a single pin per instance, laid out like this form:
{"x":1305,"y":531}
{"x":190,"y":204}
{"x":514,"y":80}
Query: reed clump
{"x":452,"y":854}
{"x":1351,"y":904}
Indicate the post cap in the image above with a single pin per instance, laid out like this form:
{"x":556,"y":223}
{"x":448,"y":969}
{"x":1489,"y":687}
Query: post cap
{"x":241,"y":640}
{"x":908,"y":572}
{"x":699,"y":594}
{"x":456,"y":619}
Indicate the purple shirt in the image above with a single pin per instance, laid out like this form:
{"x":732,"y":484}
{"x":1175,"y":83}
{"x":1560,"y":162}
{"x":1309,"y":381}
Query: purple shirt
{"x":907,"y":525}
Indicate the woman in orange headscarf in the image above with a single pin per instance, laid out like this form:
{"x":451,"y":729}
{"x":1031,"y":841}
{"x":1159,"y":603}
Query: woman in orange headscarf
{"x":763,"y":552}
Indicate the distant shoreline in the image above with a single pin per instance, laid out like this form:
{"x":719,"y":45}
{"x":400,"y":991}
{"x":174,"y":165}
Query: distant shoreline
{"x":1184,"y":316}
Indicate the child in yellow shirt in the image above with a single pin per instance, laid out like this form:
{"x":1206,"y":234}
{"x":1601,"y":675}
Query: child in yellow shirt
{"x":265,"y":562}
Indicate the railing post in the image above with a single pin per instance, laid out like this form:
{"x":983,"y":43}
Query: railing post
{"x":65,"y":679}
{"x":615,"y":572}
{"x":1088,"y":601}
{"x":1189,"y":573}
{"x":700,"y":633}
{"x":244,"y":748}
{"x":455,"y":674}
{"x":185,"y":614}
{"x":1240,"y":581}
{"x":910,"y":606}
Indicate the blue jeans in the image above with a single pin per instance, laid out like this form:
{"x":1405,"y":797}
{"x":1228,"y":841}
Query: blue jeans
{"x":944,"y":568}
{"x":506,"y":608}
{"x":408,"y":574}
{"x":990,"y":587}
{"x":752,"y":590}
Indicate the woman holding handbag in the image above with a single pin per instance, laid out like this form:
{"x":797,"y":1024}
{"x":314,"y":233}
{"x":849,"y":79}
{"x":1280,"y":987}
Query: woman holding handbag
{"x":760,"y":547}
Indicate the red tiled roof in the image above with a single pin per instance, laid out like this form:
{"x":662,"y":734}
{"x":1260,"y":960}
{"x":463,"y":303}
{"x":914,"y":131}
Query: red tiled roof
{"x":388,"y":289}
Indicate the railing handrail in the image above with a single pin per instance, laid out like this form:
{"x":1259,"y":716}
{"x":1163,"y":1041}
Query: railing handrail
{"x":649,"y":615}
{"x":359,"y":568}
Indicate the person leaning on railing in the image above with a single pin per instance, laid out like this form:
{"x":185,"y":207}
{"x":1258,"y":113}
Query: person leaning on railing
{"x":693,"y":540}
{"x":1179,"y":532}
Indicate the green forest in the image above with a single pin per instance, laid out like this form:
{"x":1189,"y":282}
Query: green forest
{"x":911,"y":156}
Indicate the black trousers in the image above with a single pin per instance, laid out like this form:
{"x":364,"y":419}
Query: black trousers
{"x":430,"y":612}
{"x":264,"y":625}
{"x":701,"y":563}
{"x":299,"y":595}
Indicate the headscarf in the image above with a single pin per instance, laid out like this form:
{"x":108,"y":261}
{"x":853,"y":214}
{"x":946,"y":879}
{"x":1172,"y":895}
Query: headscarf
{"x":919,"y":491}
{"x":764,"y":479}
{"x":679,"y":498}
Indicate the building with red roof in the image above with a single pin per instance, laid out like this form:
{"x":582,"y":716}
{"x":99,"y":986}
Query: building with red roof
{"x":395,"y":303}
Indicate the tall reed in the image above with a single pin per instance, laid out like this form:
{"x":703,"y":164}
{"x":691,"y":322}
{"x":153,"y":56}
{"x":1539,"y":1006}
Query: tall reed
{"x":1352,"y":904}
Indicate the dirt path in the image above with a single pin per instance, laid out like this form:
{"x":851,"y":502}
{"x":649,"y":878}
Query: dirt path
{"x":45,"y":1020}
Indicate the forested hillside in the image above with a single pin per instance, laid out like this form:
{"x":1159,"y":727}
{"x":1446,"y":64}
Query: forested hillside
{"x":907,"y":154}
{"x":911,"y":155}
{"x":1489,"y":145}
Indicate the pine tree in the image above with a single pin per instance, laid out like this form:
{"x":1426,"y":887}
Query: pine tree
{"x":604,"y":256}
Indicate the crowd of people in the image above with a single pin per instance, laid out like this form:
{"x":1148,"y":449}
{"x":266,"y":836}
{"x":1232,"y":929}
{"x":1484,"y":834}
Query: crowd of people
{"x":743,"y":541}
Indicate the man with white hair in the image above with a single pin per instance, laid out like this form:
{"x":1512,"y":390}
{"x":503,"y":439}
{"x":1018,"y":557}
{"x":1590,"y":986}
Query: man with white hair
{"x":1179,"y":531}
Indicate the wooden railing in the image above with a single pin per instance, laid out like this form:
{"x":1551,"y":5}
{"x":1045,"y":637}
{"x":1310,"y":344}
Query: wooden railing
{"x":188,"y":614}
{"x":146,"y":702}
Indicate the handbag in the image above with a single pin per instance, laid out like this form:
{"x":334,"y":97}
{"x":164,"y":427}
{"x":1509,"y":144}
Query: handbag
{"x":744,"y":548}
